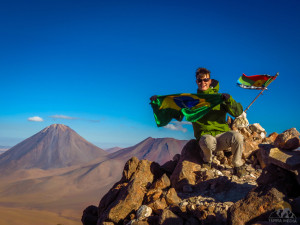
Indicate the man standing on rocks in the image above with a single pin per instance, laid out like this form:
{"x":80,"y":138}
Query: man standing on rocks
{"x":212,"y":131}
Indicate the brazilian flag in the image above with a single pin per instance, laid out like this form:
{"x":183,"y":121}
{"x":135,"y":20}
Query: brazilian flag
{"x":177,"y":106}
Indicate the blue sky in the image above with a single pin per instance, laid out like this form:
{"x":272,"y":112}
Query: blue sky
{"x":92,"y":65}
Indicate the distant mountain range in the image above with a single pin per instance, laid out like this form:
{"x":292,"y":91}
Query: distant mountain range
{"x":57,"y":162}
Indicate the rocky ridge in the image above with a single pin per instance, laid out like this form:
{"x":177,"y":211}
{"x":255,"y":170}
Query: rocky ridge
{"x":181,"y":191}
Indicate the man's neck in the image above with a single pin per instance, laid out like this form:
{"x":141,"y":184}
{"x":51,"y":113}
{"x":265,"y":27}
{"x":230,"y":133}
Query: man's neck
{"x":208,"y":91}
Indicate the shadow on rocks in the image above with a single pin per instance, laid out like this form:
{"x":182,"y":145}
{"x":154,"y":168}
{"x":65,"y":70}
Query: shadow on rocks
{"x":277,"y":188}
{"x":90,"y":215}
{"x":221,"y":189}
{"x":172,"y":221}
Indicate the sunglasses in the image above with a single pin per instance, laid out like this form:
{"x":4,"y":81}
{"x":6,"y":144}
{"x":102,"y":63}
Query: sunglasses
{"x":201,"y":80}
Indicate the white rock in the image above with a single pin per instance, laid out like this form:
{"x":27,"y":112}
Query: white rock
{"x":218,"y":173}
{"x":143,"y":212}
{"x":263,"y":135}
{"x":193,"y":207}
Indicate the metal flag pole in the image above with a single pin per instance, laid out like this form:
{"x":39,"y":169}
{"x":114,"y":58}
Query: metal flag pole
{"x":265,"y":87}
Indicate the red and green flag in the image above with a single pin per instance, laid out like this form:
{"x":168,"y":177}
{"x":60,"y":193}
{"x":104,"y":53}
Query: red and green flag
{"x":177,"y":106}
{"x":255,"y":81}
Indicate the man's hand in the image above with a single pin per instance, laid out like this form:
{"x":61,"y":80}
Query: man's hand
{"x":153,"y":98}
{"x":225,"y":96}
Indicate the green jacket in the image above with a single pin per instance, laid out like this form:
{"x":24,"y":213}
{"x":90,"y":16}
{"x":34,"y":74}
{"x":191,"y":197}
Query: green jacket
{"x":214,"y":122}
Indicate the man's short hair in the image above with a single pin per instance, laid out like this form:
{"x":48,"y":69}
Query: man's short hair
{"x":202,"y":71}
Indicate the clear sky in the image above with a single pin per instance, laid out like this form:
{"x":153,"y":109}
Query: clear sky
{"x":92,"y":65}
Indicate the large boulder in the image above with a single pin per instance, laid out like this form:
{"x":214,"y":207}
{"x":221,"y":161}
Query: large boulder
{"x":289,"y":160}
{"x":185,"y":172}
{"x":127,"y":195}
{"x":257,"y":206}
{"x":112,"y":195}
{"x":288,"y":140}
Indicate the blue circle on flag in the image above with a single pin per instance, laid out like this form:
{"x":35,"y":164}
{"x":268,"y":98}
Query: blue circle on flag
{"x":186,"y":101}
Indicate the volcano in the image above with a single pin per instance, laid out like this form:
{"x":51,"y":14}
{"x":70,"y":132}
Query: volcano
{"x":56,"y":146}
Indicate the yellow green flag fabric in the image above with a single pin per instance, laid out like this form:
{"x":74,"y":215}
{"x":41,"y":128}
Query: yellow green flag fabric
{"x":178,"y":106}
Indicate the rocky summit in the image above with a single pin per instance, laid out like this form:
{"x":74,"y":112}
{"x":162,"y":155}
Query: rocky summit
{"x":183,"y":192}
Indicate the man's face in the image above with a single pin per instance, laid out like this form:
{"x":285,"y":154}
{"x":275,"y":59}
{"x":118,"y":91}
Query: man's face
{"x":203,"y":81}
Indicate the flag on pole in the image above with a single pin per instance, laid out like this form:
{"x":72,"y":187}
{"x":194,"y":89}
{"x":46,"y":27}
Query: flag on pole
{"x":177,"y":106}
{"x":255,"y":81}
